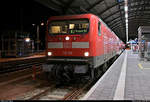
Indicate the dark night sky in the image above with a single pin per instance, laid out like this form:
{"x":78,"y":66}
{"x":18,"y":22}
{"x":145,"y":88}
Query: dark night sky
{"x":31,"y":11}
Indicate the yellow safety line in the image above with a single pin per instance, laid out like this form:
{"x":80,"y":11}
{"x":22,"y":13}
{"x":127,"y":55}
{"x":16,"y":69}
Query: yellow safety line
{"x":140,"y":66}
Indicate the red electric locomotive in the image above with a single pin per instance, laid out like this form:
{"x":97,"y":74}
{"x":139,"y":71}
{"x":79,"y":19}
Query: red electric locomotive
{"x":78,"y":45}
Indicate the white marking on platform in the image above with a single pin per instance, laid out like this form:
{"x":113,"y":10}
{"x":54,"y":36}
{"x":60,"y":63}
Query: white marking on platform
{"x":119,"y":93}
{"x":100,"y":80}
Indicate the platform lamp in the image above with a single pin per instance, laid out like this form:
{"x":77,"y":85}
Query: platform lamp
{"x":38,"y":34}
{"x":27,"y":39}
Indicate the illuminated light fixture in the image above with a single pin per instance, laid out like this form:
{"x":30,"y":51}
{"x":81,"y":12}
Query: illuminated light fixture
{"x":42,"y":24}
{"x":126,"y":15}
{"x":67,"y":38}
{"x":126,"y":20}
{"x":33,"y":24}
{"x":86,"y":54}
{"x":27,"y":39}
{"x":126,"y":8}
{"x":49,"y":53}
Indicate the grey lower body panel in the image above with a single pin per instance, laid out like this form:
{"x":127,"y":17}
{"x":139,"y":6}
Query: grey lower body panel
{"x":93,"y":62}
{"x":97,"y":61}
{"x":110,"y":55}
{"x":79,"y":65}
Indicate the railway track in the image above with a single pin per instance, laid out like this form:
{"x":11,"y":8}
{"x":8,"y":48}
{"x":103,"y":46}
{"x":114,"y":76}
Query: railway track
{"x":35,"y":94}
{"x":49,"y":92}
{"x":42,"y":91}
{"x":53,"y":93}
{"x":20,"y":82}
{"x":76,"y":93}
{"x":11,"y":66}
{"x":15,"y":78}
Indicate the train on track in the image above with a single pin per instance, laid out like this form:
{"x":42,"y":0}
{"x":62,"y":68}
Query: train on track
{"x":77,"y":45}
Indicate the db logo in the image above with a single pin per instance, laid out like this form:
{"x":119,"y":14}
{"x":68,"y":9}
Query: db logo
{"x":67,"y":52}
{"x":67,"y":45}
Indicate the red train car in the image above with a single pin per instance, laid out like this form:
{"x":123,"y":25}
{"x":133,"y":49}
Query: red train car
{"x":78,"y":44}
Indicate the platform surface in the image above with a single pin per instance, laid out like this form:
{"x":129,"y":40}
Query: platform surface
{"x":128,"y":78}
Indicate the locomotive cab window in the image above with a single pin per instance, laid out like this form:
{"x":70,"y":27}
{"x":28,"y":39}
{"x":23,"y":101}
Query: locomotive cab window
{"x":99,"y":28}
{"x":79,"y":26}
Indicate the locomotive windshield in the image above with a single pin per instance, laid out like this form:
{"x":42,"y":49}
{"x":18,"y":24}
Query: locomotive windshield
{"x":79,"y":26}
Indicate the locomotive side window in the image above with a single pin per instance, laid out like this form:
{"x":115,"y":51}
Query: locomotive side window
{"x":80,"y":26}
{"x":99,"y":28}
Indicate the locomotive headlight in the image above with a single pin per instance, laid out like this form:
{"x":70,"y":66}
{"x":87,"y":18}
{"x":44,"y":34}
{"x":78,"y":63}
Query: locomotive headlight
{"x":86,"y":54}
{"x":67,"y":38}
{"x":49,"y":53}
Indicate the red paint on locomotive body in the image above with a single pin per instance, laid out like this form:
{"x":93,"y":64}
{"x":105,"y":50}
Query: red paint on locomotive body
{"x":97,"y":41}
{"x":67,"y":49}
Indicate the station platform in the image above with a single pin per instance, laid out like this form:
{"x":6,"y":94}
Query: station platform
{"x":128,"y":78}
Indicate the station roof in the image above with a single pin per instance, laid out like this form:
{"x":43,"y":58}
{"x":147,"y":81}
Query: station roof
{"x":110,"y":11}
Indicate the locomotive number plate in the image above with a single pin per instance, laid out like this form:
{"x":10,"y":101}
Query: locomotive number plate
{"x":67,"y":52}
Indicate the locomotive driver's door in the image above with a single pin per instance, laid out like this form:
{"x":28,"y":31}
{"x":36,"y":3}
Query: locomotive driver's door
{"x":99,"y":39}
